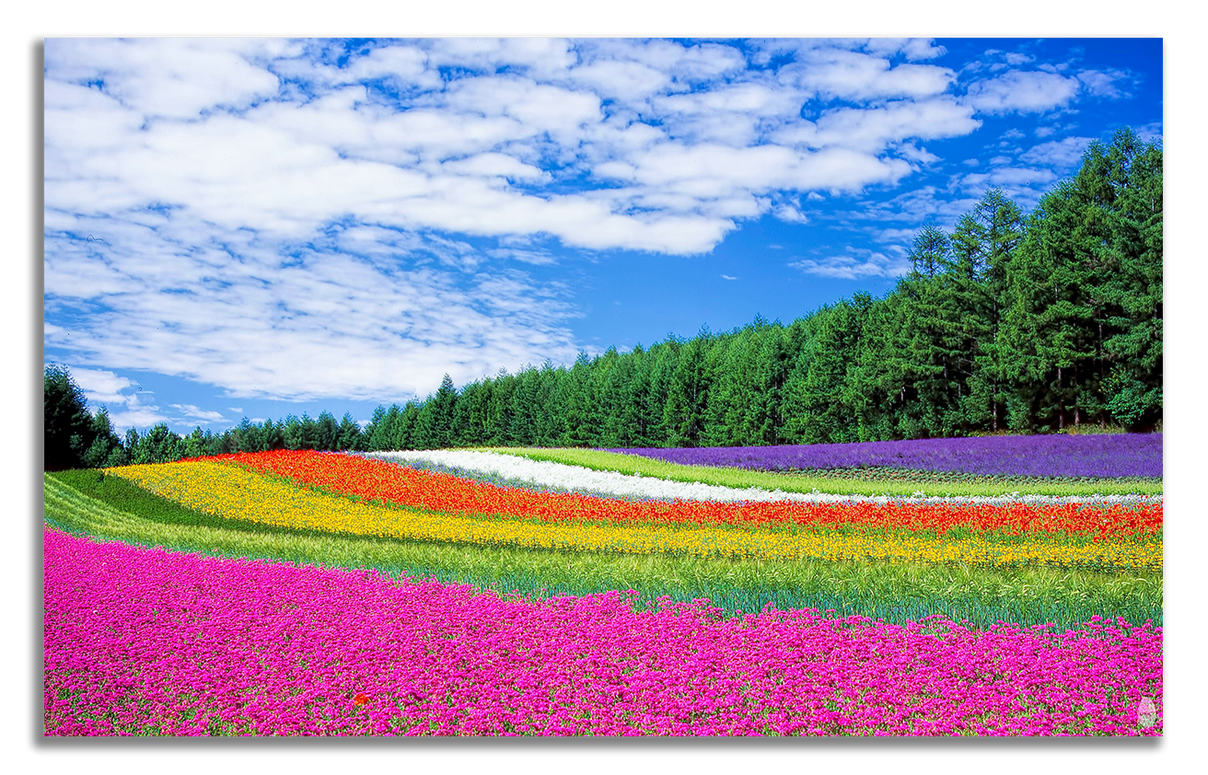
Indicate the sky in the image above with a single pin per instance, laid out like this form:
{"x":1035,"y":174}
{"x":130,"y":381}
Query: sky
{"x":256,"y":227}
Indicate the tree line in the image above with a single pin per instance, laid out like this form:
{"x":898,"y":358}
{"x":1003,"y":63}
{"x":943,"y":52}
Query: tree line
{"x":1007,"y":323}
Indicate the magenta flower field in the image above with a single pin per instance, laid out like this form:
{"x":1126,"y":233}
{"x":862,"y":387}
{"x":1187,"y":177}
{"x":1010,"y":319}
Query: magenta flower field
{"x":147,"y":641}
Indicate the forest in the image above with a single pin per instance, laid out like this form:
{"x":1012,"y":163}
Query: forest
{"x":1010,"y":323}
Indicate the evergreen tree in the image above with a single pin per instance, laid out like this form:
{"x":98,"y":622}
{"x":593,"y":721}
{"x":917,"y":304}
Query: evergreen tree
{"x":688,"y":394}
{"x":773,"y":358}
{"x":106,"y":448}
{"x":407,"y":434}
{"x":603,"y":409}
{"x":987,"y":386}
{"x":573,"y":400}
{"x":636,"y":428}
{"x":293,"y":433}
{"x":349,"y":438}
{"x":1048,"y":331}
{"x":470,"y":414}
{"x":524,"y":409}
{"x":663,"y":363}
{"x":379,"y":430}
{"x":749,"y":367}
{"x":68,"y":428}
{"x":548,"y":425}
{"x":201,"y":443}
{"x":372,"y":428}
{"x":499,"y":416}
{"x":899,"y":369}
{"x":725,"y":416}
{"x":246,"y":436}
{"x":326,"y":433}
{"x":1123,"y":182}
{"x":819,"y":405}
{"x":273,"y":435}
{"x":159,"y":445}
{"x":443,"y":408}
{"x":931,"y":253}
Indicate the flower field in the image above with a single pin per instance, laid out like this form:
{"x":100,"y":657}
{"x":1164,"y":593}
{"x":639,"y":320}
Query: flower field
{"x":481,"y":593}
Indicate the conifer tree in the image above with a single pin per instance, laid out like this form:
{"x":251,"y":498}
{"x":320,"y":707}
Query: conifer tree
{"x":68,"y":428}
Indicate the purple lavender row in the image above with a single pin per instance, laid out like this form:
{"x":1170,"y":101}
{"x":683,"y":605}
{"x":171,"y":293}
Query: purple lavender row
{"x":1096,"y":456}
{"x":145,"y":640}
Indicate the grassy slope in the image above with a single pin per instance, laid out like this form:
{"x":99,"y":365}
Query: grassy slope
{"x":742,"y":478}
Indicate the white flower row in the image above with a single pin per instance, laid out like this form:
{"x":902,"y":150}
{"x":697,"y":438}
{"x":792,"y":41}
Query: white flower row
{"x":513,"y":470}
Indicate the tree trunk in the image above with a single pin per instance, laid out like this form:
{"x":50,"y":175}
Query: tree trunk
{"x":1061,"y":403}
{"x":1077,"y":396}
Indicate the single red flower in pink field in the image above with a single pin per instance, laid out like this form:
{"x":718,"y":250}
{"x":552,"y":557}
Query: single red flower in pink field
{"x":361,"y":698}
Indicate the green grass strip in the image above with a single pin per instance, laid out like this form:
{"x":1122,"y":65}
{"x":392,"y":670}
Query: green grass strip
{"x":891,"y":592}
{"x":829,"y":483}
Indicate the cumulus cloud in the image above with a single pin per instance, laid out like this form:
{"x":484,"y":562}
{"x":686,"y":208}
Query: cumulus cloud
{"x":1106,"y":83}
{"x":1019,"y":91}
{"x":854,"y":265}
{"x":1061,"y":154}
{"x":191,"y":413}
{"x":872,"y":129}
{"x":101,"y":387}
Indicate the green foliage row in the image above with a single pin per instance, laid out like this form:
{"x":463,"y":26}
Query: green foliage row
{"x":108,"y":508}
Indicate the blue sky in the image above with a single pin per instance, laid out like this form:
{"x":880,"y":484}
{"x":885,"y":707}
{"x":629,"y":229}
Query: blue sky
{"x":262,"y":227}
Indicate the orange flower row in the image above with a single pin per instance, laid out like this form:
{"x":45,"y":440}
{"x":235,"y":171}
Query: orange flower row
{"x":380,"y":481}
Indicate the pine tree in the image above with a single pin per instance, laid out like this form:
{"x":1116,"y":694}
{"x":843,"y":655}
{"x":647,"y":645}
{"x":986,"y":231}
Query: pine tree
{"x":443,"y":408}
{"x":68,"y":428}
{"x":349,"y":438}
{"x":106,"y":448}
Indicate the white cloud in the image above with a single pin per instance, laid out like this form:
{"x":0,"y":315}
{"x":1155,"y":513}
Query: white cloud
{"x":1023,"y":92}
{"x":1008,"y":177}
{"x":192,"y":413}
{"x":1150,"y":132}
{"x":1060,"y":154}
{"x":872,"y":129}
{"x":910,"y":48}
{"x":852,"y":75}
{"x":495,"y":165}
{"x":540,"y":57}
{"x":1105,"y":83}
{"x":789,"y":214}
{"x":168,"y":77}
{"x":858,"y":264}
{"x":624,"y":80}
{"x":102,"y":387}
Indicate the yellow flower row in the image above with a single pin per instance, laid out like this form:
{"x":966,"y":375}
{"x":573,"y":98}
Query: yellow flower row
{"x":235,"y":493}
